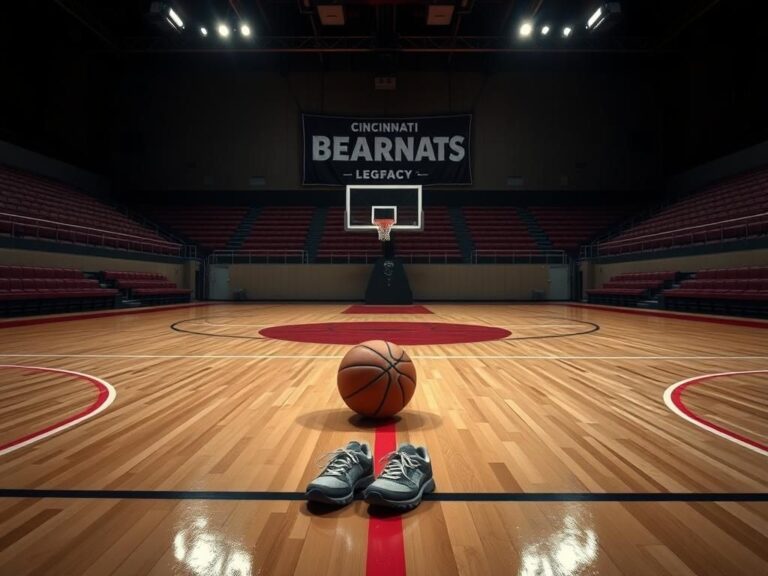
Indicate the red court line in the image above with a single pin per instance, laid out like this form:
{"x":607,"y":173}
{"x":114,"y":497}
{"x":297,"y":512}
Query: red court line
{"x":674,"y":395}
{"x":678,"y":315}
{"x":86,"y":315}
{"x":363,"y":309}
{"x":105,"y":396}
{"x":386,"y":548}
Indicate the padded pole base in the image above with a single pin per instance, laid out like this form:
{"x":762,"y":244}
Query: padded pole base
{"x":388,"y":283}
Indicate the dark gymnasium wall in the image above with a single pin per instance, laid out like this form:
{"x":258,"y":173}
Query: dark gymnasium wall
{"x":221,"y":122}
{"x":616,"y":125}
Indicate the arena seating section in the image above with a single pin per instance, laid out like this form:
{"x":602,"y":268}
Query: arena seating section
{"x":741,"y":291}
{"x":338,"y":245}
{"x":722,"y":291}
{"x":629,"y":289}
{"x":36,"y":290}
{"x":437,"y":243}
{"x":279,"y":229}
{"x":498,"y":229}
{"x":696,"y":219}
{"x":568,"y":227}
{"x":210,"y":227}
{"x":147,"y":287}
{"x":39,"y":208}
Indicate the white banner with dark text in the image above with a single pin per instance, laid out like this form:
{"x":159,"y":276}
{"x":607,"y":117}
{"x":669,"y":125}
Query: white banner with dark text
{"x":425,"y":150}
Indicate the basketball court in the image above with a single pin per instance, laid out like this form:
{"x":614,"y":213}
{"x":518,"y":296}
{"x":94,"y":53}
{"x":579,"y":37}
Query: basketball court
{"x":383,"y":288}
{"x":563,"y":438}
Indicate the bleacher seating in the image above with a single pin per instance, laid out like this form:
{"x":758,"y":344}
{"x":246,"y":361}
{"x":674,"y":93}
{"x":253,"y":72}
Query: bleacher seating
{"x":147,"y":287}
{"x":722,"y":291}
{"x":210,"y":227}
{"x":630,"y":288}
{"x":724,"y":211}
{"x":568,"y":227}
{"x":37,"y":290}
{"x":498,"y":230}
{"x":279,"y":230}
{"x":39,"y":208}
{"x":338,"y":245}
{"x":437,"y":243}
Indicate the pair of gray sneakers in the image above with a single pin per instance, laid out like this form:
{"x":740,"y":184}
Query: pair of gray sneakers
{"x":406,"y":477}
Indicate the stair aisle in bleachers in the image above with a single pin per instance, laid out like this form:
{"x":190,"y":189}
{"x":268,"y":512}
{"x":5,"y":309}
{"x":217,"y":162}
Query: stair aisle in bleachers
{"x":463,"y":235}
{"x":243,"y":229}
{"x":316,"y":228}
{"x":534,"y":229}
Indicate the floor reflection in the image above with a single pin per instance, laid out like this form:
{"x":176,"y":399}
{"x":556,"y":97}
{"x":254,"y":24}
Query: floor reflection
{"x":207,"y":552}
{"x":568,"y":552}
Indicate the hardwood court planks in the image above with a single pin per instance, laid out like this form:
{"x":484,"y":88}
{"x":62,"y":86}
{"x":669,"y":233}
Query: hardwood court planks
{"x":736,"y":402}
{"x":565,"y":414}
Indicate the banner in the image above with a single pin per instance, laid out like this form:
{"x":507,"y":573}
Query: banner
{"x":424,"y":150}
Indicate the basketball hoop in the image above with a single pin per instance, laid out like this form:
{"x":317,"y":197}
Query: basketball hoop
{"x":384,"y":227}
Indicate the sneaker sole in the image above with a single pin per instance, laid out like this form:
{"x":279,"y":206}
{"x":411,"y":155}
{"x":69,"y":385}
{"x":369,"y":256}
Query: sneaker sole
{"x":317,"y":495}
{"x":377,"y":499}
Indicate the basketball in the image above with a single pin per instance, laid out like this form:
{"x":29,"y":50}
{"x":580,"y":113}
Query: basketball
{"x":376,"y":379}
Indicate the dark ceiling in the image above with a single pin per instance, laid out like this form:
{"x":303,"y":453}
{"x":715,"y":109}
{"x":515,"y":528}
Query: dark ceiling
{"x":475,"y":26}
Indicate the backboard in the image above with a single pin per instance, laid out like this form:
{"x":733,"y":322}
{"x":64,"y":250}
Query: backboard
{"x":401,"y":202}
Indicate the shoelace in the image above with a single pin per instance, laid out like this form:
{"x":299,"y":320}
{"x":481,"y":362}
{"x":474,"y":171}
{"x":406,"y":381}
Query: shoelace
{"x":338,"y":462}
{"x":396,"y":465}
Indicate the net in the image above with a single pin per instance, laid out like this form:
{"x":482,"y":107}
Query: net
{"x":384,"y":227}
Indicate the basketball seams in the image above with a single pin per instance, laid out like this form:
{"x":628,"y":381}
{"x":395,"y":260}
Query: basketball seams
{"x":402,"y":392}
{"x":387,"y":360}
{"x":386,"y":393}
{"x":368,"y":384}
{"x":380,"y":367}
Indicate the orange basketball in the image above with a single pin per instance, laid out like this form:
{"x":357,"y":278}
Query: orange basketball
{"x":376,"y":379}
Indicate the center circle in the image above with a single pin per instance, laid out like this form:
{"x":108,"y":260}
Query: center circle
{"x":405,"y":333}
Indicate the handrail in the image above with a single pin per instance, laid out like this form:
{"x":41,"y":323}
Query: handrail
{"x":74,"y":233}
{"x":549,"y":256}
{"x":409,"y":256}
{"x":87,"y":229}
{"x":678,"y":230}
{"x":217,"y":256}
{"x":678,"y":235}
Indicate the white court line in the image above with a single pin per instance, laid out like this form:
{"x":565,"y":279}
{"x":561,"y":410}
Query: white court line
{"x":680,"y":409}
{"x":111,"y":395}
{"x":332,"y":356}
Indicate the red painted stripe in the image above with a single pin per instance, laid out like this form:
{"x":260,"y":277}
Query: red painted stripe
{"x":403,"y":333}
{"x":677,"y":398}
{"x":100,"y":399}
{"x":678,"y":315}
{"x":386,"y":548}
{"x":366,"y":309}
{"x":85,"y":316}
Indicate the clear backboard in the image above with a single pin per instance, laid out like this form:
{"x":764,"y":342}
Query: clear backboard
{"x":365,"y":203}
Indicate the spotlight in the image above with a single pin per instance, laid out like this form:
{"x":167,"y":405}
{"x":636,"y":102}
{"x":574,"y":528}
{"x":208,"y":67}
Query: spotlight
{"x":223,"y":30}
{"x":567,"y":31}
{"x":596,"y":17}
{"x":162,"y":14}
{"x":544,"y":30}
{"x":606,"y":16}
{"x":525,"y":29}
{"x":175,"y":17}
{"x":203,"y":31}
{"x":245,"y":30}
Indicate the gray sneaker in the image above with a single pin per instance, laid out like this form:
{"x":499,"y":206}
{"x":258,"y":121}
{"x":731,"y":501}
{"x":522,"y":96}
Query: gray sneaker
{"x":348,"y":470}
{"x":404,"y":480}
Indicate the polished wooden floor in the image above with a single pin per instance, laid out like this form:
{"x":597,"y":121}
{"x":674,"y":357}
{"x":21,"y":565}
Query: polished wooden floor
{"x":557,"y":408}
